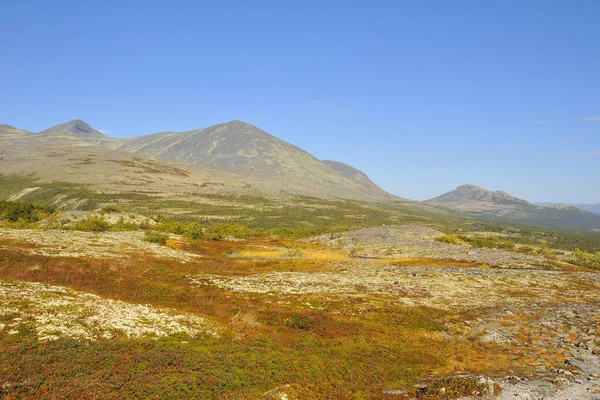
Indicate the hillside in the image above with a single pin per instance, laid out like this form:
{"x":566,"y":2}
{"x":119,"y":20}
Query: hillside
{"x":245,"y":149}
{"x":472,"y":193}
{"x":498,"y":205}
{"x":76,"y":155}
{"x":593,"y":208}
{"x":232,"y":159}
{"x":352,"y":173}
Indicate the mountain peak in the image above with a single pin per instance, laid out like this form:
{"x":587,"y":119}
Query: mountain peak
{"x":472,"y":193}
{"x":470,"y":187}
{"x":77,"y":128}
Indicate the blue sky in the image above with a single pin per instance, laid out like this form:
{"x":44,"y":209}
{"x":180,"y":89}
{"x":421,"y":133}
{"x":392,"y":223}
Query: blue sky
{"x":421,"y":95}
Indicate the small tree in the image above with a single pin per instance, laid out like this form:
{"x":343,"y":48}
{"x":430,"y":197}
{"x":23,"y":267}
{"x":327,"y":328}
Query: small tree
{"x":294,"y":253}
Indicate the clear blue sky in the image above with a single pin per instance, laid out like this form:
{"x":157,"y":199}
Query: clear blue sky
{"x":421,"y":95}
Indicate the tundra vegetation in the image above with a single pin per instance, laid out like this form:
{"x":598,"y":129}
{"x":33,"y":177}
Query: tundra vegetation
{"x":278,"y":309}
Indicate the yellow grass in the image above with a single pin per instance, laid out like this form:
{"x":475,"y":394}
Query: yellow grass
{"x":328,"y":256}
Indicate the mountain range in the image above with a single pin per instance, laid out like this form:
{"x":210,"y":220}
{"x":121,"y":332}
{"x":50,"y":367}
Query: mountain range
{"x":256,"y":162}
{"x":234,"y":158}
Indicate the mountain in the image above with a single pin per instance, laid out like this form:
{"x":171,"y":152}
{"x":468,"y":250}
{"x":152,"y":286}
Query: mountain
{"x":352,"y":173}
{"x":6,"y":130}
{"x":501,"y":206}
{"x":77,"y":128}
{"x":236,"y":155}
{"x":242,"y":148}
{"x":593,"y":208}
{"x":81,"y":130}
{"x":472,"y":193}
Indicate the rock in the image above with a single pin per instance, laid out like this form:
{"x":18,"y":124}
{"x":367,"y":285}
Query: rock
{"x":394,"y":392}
{"x":561,"y":382}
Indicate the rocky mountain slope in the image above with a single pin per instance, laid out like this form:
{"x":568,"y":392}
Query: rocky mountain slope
{"x":502,"y":206}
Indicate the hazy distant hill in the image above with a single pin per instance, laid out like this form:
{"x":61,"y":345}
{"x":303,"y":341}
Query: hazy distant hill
{"x":500,"y":205}
{"x":593,"y":208}
{"x":472,"y":193}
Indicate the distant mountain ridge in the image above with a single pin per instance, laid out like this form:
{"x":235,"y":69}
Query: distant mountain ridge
{"x":467,"y":193}
{"x":593,"y":208}
{"x":499,"y":205}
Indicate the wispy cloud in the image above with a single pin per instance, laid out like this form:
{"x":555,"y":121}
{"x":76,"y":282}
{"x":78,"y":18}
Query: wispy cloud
{"x":592,"y":154}
{"x":563,"y":140}
{"x":104,"y":131}
{"x":540,"y":122}
{"x":588,"y":119}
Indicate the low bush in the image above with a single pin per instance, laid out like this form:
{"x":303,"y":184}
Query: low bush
{"x":507,"y":245}
{"x":492,"y":242}
{"x":91,"y":224}
{"x":155,"y":237}
{"x":20,"y":211}
{"x":111,"y":209}
{"x":588,"y":260}
{"x":449,"y":238}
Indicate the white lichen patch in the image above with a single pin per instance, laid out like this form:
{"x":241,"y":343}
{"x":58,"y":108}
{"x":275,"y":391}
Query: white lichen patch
{"x":443,"y":287}
{"x":53,"y":312}
{"x":59,"y":243}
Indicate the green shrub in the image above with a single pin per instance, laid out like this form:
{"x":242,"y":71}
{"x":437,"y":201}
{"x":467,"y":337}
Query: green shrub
{"x":111,"y":209}
{"x":492,"y":242}
{"x":507,"y":245}
{"x":588,"y":260}
{"x":449,"y":238}
{"x":23,"y":212}
{"x":91,"y":224}
{"x":155,"y":237}
{"x":194,"y":231}
{"x":526,"y":249}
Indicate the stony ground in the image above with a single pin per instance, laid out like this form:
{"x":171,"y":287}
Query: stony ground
{"x":452,"y":288}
